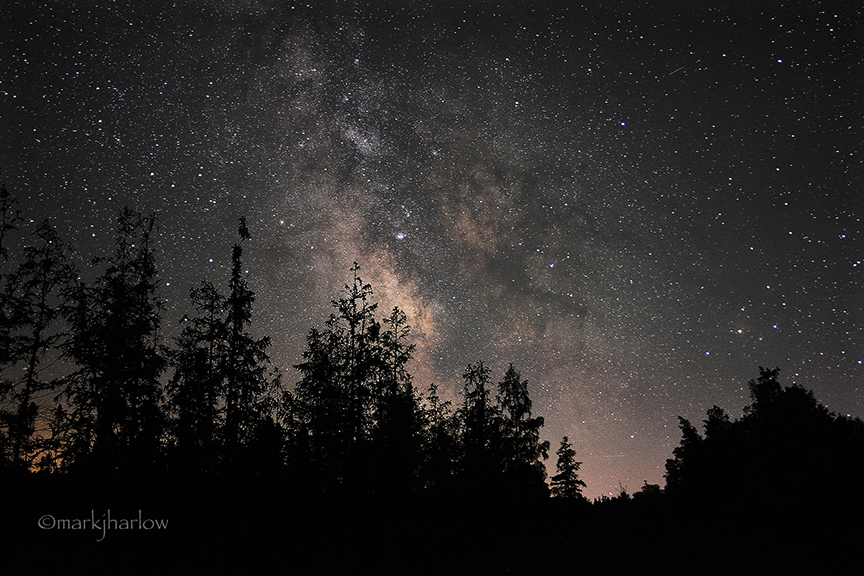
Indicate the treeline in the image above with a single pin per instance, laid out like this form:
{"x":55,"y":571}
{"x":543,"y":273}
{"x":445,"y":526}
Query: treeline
{"x":787,"y":450}
{"x":209,"y":403}
{"x":98,"y":409}
{"x":130,"y":403}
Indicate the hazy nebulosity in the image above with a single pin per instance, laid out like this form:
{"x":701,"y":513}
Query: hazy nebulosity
{"x":635,"y":206}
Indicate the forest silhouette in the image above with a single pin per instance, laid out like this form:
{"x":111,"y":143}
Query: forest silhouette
{"x":351,"y":464}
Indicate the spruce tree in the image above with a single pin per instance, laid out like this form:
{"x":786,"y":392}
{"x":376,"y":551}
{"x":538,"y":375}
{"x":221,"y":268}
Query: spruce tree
{"x":315,"y":412}
{"x":115,"y":396}
{"x":480,"y":463}
{"x":360,"y":355}
{"x":247,"y":388}
{"x":397,"y":432}
{"x":32,"y":304}
{"x":197,"y":384}
{"x":523,"y":451}
{"x":566,"y":483}
{"x":440,"y":441}
{"x":333,"y":406}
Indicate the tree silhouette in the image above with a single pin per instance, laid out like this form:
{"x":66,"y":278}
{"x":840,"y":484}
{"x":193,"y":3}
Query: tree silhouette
{"x":395,"y":352}
{"x":523,"y":450}
{"x":196,"y":388}
{"x":784,"y":434}
{"x":331,"y":408}
{"x":356,"y":402}
{"x":785,"y":466}
{"x":247,"y":391}
{"x":115,"y":395}
{"x":397,"y":432}
{"x":32,"y":303}
{"x":314,"y":412}
{"x":440,"y":441}
{"x":717,"y":424}
{"x":679,"y":470}
{"x":359,"y":357}
{"x":482,"y":442}
{"x":566,"y":483}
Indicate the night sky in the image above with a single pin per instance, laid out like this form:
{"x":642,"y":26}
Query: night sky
{"x":637,"y":204}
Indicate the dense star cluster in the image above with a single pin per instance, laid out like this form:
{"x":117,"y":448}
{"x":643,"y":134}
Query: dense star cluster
{"x":637,"y":206}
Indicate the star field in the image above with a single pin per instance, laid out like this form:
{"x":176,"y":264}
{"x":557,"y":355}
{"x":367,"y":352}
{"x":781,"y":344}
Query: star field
{"x":636,"y":206}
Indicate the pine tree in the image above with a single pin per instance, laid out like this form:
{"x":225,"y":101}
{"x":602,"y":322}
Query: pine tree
{"x":395,"y":353}
{"x":566,"y":483}
{"x":315,"y":413}
{"x":360,"y":356}
{"x":32,"y":303}
{"x":115,"y":396}
{"x":197,"y":384}
{"x":480,"y":462}
{"x":333,"y":406}
{"x":523,"y":451}
{"x":440,"y":441}
{"x":397,"y":432}
{"x":247,"y":389}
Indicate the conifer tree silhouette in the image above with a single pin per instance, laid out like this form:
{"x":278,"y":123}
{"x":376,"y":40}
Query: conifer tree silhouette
{"x":115,"y":395}
{"x":32,"y":305}
{"x":397,"y":429}
{"x":197,"y":386}
{"x":333,"y":405}
{"x":523,"y":450}
{"x":246,"y":385}
{"x":480,"y":463}
{"x":566,"y":483}
{"x":440,"y":441}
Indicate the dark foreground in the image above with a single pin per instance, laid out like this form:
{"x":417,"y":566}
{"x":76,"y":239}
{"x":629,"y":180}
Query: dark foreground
{"x":52,"y":525}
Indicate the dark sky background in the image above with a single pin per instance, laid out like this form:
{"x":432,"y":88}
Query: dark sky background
{"x":637,"y":204}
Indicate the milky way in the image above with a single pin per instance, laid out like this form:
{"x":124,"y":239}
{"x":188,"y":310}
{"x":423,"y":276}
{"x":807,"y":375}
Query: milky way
{"x":636,"y":207}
